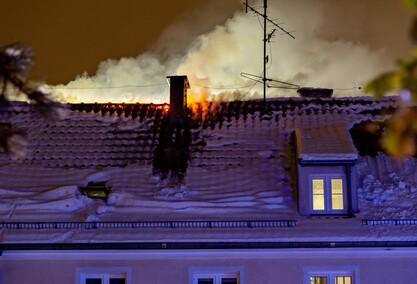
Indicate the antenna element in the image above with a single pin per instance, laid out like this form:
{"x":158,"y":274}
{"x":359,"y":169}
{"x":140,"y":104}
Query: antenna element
{"x":266,"y":39}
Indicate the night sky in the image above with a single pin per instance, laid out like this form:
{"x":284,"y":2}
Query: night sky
{"x":73,"y":37}
{"x":70,"y":37}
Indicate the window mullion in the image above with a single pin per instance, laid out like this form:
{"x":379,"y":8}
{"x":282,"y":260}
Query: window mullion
{"x":327,"y":194}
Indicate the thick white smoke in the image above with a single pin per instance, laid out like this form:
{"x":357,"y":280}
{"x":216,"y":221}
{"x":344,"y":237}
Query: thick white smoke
{"x":215,"y":60}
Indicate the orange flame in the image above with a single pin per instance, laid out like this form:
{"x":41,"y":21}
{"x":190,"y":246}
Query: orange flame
{"x":165,"y":109}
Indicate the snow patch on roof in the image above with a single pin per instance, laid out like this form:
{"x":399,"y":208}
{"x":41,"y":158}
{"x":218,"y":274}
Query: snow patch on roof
{"x":331,"y":143}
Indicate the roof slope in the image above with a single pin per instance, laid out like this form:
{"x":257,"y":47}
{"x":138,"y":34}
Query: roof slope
{"x":241,"y":168}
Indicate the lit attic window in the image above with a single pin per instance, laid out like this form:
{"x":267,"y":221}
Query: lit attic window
{"x":96,"y":190}
{"x":328,"y":194}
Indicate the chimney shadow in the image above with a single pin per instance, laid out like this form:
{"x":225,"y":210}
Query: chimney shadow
{"x":171,"y":156}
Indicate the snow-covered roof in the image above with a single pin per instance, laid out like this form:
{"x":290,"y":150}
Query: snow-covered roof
{"x":239,"y":184}
{"x":327,"y":143}
{"x":87,"y":135}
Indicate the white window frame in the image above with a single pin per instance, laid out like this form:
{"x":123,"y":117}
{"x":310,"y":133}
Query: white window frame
{"x":105,"y":273}
{"x":331,"y":272}
{"x":216,"y":272}
{"x":328,"y":194}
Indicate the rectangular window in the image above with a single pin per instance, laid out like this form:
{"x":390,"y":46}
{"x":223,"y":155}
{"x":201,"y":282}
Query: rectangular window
{"x":331,"y":279}
{"x":343,"y":280}
{"x":330,"y":275}
{"x":328,"y":194}
{"x":318,"y":280}
{"x":337,"y":193}
{"x":103,"y":279}
{"x":318,"y":194}
{"x":216,"y":275}
{"x":111,"y":275}
{"x":216,"y":279}
{"x":205,"y":281}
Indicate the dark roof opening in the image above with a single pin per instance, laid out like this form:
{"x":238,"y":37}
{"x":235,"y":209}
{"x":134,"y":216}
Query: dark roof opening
{"x":367,"y":137}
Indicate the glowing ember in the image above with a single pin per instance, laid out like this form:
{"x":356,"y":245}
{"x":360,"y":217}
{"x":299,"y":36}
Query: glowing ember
{"x":165,"y":108}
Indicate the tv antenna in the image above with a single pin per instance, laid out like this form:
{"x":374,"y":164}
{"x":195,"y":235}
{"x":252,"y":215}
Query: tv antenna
{"x":267,"y":38}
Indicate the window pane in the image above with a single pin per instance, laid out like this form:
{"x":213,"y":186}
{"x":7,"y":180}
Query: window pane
{"x":343,"y":280}
{"x":337,"y":186}
{"x":205,"y":281}
{"x":318,"y":194}
{"x":318,"y":280}
{"x":318,"y":202}
{"x":117,"y":281}
{"x":93,"y":281}
{"x":337,"y":194}
{"x":318,"y":186}
{"x":337,"y":202}
{"x":229,"y":281}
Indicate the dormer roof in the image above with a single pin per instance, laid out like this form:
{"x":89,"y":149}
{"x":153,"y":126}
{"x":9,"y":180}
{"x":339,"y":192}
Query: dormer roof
{"x":325,"y":145}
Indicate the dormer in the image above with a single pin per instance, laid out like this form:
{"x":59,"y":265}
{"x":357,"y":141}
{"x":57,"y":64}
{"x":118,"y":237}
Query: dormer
{"x":326,"y":158}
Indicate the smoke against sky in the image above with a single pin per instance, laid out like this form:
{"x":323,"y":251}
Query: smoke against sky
{"x":336,"y":45}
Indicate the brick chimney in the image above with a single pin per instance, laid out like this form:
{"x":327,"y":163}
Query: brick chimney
{"x":178,"y":86}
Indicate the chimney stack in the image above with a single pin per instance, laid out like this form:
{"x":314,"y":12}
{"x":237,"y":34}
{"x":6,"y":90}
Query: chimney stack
{"x":178,"y":86}
{"x":307,"y":92}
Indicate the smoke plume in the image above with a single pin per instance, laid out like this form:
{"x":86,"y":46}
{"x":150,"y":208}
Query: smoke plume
{"x":215,"y":59}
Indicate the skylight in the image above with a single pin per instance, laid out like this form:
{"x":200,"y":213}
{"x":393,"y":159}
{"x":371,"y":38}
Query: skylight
{"x":96,"y":190}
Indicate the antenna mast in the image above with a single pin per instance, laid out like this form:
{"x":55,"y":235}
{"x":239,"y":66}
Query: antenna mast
{"x":266,"y":39}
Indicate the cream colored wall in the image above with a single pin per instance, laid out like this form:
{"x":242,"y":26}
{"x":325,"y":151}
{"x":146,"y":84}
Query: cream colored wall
{"x":258,"y":266}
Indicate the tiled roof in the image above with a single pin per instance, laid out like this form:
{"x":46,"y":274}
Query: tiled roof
{"x":88,"y":135}
{"x":241,"y":170}
{"x":100,"y":135}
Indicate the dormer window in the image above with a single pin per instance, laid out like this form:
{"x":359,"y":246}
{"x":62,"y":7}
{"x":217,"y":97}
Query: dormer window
{"x":328,"y":194}
{"x":326,"y":169}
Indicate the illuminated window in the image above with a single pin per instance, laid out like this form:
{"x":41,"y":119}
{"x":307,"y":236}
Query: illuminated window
{"x":336,"y":277}
{"x":343,"y":280}
{"x":104,"y":276}
{"x":336,"y":186}
{"x":96,"y":190}
{"x":318,"y":194}
{"x":318,"y":280}
{"x":328,"y":195}
{"x":331,"y":279}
